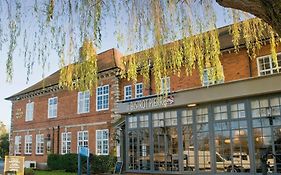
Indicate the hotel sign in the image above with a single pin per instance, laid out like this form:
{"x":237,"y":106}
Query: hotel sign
{"x":14,"y":164}
{"x":150,"y":103}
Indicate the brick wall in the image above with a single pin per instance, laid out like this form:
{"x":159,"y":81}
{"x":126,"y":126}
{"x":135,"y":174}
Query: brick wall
{"x":67,"y":120}
{"x":236,"y":66}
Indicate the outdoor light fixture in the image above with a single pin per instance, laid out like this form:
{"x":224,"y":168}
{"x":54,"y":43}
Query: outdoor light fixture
{"x":192,"y":105}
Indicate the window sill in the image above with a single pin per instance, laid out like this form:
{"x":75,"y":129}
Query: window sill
{"x":39,"y":154}
{"x":52,"y":117}
{"x":79,"y":113}
{"x":100,"y":110}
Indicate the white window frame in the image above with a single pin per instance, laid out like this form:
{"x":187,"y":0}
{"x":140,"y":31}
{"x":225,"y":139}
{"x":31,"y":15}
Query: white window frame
{"x":165,"y":81}
{"x":138,"y":94}
{"x":17,"y":148}
{"x":104,"y":96}
{"x":209,"y":82}
{"x":127,"y":96}
{"x":83,"y":98}
{"x":28,"y":144}
{"x":52,"y":108}
{"x":102,"y":142}
{"x":81,"y":142}
{"x":65,"y":143}
{"x":39,"y":144}
{"x":29,"y":111}
{"x":271,"y":69}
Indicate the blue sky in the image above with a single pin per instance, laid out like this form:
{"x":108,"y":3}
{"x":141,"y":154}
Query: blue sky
{"x":19,"y":78}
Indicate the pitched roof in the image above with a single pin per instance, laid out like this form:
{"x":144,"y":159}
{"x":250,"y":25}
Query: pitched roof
{"x":106,"y":60}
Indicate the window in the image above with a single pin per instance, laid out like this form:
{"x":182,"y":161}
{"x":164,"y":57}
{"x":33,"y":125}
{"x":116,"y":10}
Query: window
{"x":66,"y":142}
{"x":133,"y":122}
{"x":52,"y":107}
{"x":127,"y":92}
{"x":143,"y":121}
{"x":186,"y":117}
{"x":17,"y":144}
{"x":28,"y":144}
{"x":266,"y":65}
{"x":158,"y":119}
{"x":29,"y":111}
{"x":220,"y":112}
{"x":82,"y":139}
{"x":238,"y":111}
{"x":138,"y":90}
{"x":39,"y":144}
{"x":165,"y":85}
{"x":208,"y":77}
{"x":83,"y":102}
{"x":102,"y":98}
{"x":102,"y":142}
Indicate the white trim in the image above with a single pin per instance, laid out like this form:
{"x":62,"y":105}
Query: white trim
{"x":36,"y":144}
{"x":18,"y":145}
{"x":25,"y":142}
{"x":66,"y":141}
{"x":168,"y":82}
{"x":84,"y":102}
{"x":101,"y":130}
{"x":136,"y":89}
{"x":103,"y":109}
{"x":210,"y":82}
{"x":29,"y":112}
{"x":125,"y":92}
{"x":83,"y":133}
{"x":52,"y":98}
{"x":270,"y":64}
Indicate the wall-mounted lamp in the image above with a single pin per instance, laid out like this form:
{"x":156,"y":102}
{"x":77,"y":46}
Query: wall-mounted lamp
{"x":192,"y":105}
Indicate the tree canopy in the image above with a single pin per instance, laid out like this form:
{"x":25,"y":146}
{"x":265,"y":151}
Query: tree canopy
{"x":41,"y":27}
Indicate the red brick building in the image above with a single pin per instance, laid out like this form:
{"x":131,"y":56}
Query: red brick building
{"x":47,"y":119}
{"x":200,"y":127}
{"x":206,"y":127}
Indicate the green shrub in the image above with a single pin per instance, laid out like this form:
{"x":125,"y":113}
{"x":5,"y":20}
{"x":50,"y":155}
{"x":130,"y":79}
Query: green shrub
{"x":102,"y":164}
{"x":55,"y":162}
{"x":69,"y":163}
{"x":29,"y":171}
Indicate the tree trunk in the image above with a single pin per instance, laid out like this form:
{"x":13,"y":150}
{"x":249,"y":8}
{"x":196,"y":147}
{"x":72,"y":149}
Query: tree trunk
{"x":267,"y":10}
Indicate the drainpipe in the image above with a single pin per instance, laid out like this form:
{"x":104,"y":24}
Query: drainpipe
{"x":58,"y":143}
{"x":150,"y":80}
{"x":250,"y":67}
{"x":53,"y":142}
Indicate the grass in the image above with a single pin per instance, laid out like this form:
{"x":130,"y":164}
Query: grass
{"x":57,"y":172}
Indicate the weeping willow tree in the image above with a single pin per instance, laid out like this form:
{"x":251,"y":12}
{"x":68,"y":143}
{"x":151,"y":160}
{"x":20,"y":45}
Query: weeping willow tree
{"x":73,"y":30}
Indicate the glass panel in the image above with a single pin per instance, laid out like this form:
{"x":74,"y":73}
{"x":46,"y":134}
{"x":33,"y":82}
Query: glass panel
{"x":220,"y":112}
{"x":158,"y":119}
{"x":132,"y":152}
{"x":144,"y":147}
{"x":159,"y":150}
{"x":172,"y":154}
{"x":188,"y":148}
{"x":223,"y":147}
{"x":143,"y":121}
{"x":186,"y":117}
{"x":238,"y":111}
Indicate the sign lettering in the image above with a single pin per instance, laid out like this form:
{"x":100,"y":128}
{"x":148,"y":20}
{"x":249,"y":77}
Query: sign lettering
{"x":14,"y":164}
{"x":156,"y":102}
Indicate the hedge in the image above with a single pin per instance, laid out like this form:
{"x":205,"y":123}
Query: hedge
{"x":69,"y":163}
